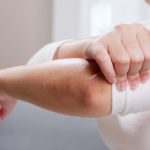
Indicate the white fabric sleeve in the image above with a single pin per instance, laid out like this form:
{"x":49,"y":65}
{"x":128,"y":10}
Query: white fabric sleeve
{"x":130,"y":101}
{"x":118,"y":100}
{"x":46,"y":54}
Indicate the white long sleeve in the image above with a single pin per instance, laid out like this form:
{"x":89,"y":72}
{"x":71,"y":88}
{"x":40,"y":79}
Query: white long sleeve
{"x":45,"y":54}
{"x":118,"y":100}
{"x":131,"y":101}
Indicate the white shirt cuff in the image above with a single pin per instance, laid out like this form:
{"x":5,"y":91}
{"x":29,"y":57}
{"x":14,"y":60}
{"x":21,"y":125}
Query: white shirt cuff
{"x":118,"y":101}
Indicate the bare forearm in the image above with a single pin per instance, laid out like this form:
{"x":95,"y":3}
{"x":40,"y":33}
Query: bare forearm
{"x":70,"y":86}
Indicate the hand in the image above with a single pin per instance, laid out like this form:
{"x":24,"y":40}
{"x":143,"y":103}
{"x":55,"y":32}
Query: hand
{"x":122,"y":55}
{"x":7,"y":105}
{"x":147,"y":1}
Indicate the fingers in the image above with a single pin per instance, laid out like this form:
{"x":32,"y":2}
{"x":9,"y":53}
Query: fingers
{"x":5,"y":111}
{"x":134,"y":50}
{"x":101,"y":56}
{"x":123,"y":55}
{"x":120,"y":59}
{"x":7,"y":104}
{"x":144,"y":40}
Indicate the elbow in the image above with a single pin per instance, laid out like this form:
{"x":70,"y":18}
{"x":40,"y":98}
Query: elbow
{"x":97,"y":98}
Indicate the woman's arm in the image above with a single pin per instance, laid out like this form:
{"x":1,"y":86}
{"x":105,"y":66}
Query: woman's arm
{"x":72,"y":86}
{"x":121,"y":56}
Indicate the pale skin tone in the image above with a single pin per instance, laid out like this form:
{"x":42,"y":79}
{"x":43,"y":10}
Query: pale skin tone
{"x":122,"y":58}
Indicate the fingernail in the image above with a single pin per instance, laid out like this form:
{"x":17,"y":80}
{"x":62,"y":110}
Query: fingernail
{"x":134,"y":84}
{"x":114,"y":81}
{"x":144,"y":78}
{"x":122,"y":86}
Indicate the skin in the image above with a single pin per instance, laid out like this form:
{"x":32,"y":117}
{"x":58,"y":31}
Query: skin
{"x":7,"y":104}
{"x":147,"y":1}
{"x":86,"y":93}
{"x":121,"y":57}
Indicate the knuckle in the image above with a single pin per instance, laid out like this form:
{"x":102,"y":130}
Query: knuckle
{"x":133,"y":76}
{"x":96,"y":51}
{"x":137,"y":25}
{"x":123,"y":60}
{"x":121,"y":26}
{"x":102,"y":59}
{"x":132,"y":26}
{"x":137,"y":59}
{"x":122,"y":78}
{"x":100,"y":55}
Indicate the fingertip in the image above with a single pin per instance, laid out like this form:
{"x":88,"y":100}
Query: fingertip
{"x":134,"y":83}
{"x":121,"y":86}
{"x":1,"y":117}
{"x":114,"y":80}
{"x":144,"y":77}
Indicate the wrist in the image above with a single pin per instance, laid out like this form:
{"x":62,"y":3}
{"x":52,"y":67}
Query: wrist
{"x":72,"y":49}
{"x":8,"y":78}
